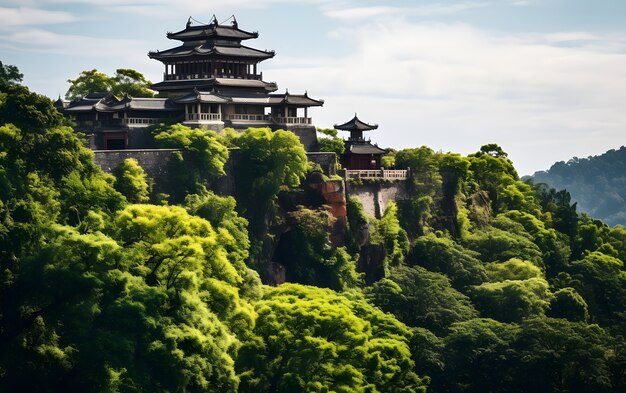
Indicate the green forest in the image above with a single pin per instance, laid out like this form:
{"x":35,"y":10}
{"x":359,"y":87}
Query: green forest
{"x":596,"y":183}
{"x":485,"y":282}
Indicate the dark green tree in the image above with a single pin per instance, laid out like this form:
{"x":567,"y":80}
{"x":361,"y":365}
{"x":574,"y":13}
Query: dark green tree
{"x":443,"y":255}
{"x":564,"y":356}
{"x":308,"y":256}
{"x":512,"y":300}
{"x":480,"y":356}
{"x":421,"y":298}
{"x":9,"y":75}
{"x":568,"y":304}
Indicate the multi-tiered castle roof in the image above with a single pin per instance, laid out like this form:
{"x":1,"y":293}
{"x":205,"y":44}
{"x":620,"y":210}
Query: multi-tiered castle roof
{"x":210,"y":80}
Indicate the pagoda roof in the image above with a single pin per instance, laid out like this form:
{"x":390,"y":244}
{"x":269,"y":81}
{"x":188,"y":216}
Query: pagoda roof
{"x":355,"y":125}
{"x":205,"y":97}
{"x":365,"y":148}
{"x":210,"y":48}
{"x":148,"y":104}
{"x":61,"y":103}
{"x":295,"y":99}
{"x":79,"y":108}
{"x":212,"y":30}
{"x":213,"y":97}
{"x":92,"y":101}
{"x":207,"y":84}
{"x":107,"y":102}
{"x":232,"y":82}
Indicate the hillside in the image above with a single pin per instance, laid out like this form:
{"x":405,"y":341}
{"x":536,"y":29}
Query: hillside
{"x":474,"y":282}
{"x":597,"y":184}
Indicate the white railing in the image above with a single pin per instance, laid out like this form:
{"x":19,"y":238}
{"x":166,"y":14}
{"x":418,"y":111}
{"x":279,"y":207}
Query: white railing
{"x":203,"y":116}
{"x":388,"y":174}
{"x":293,"y":120}
{"x":140,"y":121}
{"x":248,"y":117}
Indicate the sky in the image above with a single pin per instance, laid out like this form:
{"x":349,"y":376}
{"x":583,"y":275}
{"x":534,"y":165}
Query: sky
{"x":544,"y":79}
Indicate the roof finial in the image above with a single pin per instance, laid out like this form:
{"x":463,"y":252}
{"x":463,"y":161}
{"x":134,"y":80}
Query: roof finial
{"x":235,"y":25}
{"x":189,"y":21}
{"x":214,"y":20}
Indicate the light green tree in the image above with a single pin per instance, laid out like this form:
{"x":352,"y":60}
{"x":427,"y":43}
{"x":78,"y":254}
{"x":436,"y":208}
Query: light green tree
{"x":125,"y":81}
{"x":316,"y":340}
{"x":132,"y":182}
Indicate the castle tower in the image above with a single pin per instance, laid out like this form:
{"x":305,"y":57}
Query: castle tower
{"x":216,"y":77}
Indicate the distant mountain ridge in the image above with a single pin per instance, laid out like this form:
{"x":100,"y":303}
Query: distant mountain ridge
{"x":597,"y":183}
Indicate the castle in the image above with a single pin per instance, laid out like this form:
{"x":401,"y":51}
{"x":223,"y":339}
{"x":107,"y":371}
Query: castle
{"x":210,"y":80}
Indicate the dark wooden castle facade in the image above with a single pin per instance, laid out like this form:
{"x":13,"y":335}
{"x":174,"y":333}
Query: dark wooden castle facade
{"x":210,"y":80}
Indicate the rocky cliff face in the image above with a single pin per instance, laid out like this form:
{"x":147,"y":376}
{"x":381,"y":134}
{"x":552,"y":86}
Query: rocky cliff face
{"x":334,"y":196}
{"x":316,"y":193}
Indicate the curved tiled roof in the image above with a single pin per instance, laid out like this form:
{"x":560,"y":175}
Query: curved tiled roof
{"x":107,"y":102}
{"x":366,"y":148}
{"x":207,"y":84}
{"x":355,"y":125}
{"x":206,"y":49}
{"x":207,"y":97}
{"x":212,"y":31}
{"x":295,"y":99}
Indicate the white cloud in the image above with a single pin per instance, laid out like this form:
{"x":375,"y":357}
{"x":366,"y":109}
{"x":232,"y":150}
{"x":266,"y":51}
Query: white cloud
{"x":455,"y":87}
{"x":165,"y":8}
{"x":21,"y":16}
{"x":424,"y":10}
{"x":570,"y":36}
{"x":45,"y":41}
{"x":361,"y":12}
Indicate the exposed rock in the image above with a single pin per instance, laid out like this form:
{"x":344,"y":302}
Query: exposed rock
{"x":372,"y":262}
{"x":334,"y":196}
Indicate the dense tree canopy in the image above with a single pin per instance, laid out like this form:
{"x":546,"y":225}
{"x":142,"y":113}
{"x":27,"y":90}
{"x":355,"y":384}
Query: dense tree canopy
{"x":315,"y":340}
{"x":421,"y":298}
{"x":473,"y":281}
{"x":200,"y":161}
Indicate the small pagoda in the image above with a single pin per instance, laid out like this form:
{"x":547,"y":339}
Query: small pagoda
{"x":360,"y":154}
